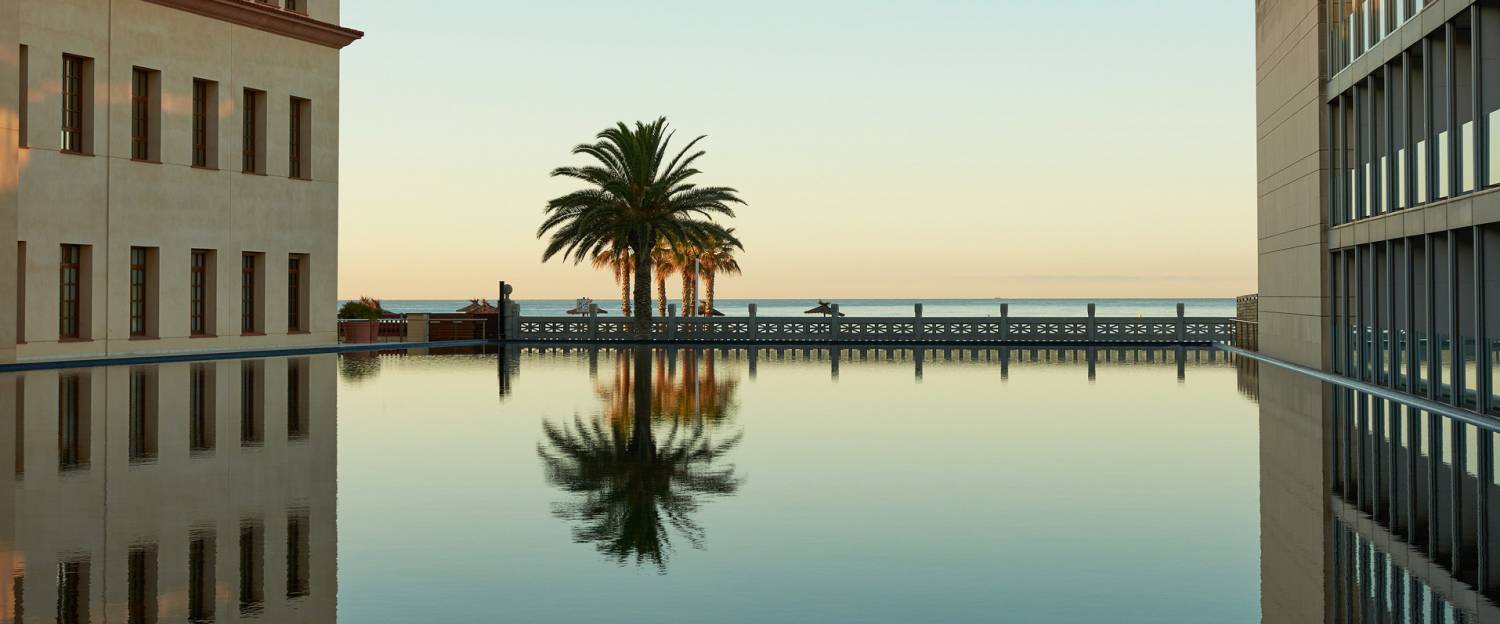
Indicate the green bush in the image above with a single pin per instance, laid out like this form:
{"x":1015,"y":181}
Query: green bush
{"x":357,"y":310}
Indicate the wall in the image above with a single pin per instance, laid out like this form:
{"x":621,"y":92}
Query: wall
{"x":113,"y":203}
{"x":1292,"y":252}
{"x":9,"y":163}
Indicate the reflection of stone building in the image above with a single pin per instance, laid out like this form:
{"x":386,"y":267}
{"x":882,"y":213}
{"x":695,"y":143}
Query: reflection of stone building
{"x":180,"y":492}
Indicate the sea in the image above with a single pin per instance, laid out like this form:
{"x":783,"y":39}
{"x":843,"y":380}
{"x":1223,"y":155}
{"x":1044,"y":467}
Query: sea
{"x":1126,"y":308}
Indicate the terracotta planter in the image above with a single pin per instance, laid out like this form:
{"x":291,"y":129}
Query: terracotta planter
{"x":360,"y":331}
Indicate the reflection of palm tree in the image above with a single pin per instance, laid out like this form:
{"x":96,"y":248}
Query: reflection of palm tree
{"x":631,"y":487}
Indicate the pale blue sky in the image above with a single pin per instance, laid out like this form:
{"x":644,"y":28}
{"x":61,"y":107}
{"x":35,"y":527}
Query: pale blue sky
{"x":922,"y":149}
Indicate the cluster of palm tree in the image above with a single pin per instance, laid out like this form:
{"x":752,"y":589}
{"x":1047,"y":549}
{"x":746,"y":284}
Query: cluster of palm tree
{"x":641,"y":215}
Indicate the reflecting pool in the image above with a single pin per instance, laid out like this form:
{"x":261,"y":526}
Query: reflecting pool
{"x":686,"y":485}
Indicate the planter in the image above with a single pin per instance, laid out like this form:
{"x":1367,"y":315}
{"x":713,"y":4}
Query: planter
{"x":360,"y":331}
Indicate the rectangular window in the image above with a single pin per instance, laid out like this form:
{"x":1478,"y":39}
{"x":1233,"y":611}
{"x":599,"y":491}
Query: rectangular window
{"x":250,"y":287}
{"x":200,"y":293}
{"x":252,"y":555}
{"x":296,"y":317}
{"x":201,"y":427}
{"x":141,"y":585}
{"x":201,"y":578}
{"x":252,"y":425}
{"x":142,"y":124}
{"x":253,"y":137}
{"x":205,"y":124}
{"x":298,"y":554}
{"x":24,"y":96}
{"x":138,"y":289}
{"x":297,"y":6}
{"x":299,"y":163}
{"x":21,"y":292}
{"x":72,"y":423}
{"x":142,"y":415}
{"x":296,"y":399}
{"x":76,"y":92}
{"x":73,"y":592}
{"x":70,"y":295}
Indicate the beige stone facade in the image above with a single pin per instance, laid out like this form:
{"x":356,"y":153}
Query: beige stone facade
{"x":200,"y":168}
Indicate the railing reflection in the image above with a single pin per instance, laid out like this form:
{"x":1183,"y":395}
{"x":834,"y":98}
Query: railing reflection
{"x":122,"y":506}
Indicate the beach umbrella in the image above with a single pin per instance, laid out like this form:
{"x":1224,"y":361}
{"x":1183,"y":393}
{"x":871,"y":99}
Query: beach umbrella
{"x":823,"y":308}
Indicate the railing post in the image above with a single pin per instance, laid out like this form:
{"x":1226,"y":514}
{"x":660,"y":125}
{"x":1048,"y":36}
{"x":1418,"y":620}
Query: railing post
{"x":918,"y":330}
{"x":1093,"y":325}
{"x":1181,"y":323}
{"x":833,"y":327}
{"x":672,"y":322}
{"x":593,"y":324}
{"x":754,"y":330}
{"x":515,"y":320}
{"x":1004,"y":322}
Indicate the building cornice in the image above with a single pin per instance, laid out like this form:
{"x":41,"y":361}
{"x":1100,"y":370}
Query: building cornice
{"x":269,"y":18}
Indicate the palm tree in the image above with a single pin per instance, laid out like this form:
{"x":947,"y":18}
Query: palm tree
{"x":634,"y":198}
{"x":664,"y":262}
{"x":620,"y":261}
{"x":632,"y":487}
{"x":686,"y":262}
{"x":716,"y":258}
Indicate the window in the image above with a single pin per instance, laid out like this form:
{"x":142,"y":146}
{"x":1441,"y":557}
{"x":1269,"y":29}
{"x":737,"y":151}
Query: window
{"x":21,"y":292}
{"x":253,"y":139}
{"x":252,"y":426}
{"x":252,"y":554}
{"x":298,"y":554}
{"x":73,"y":423}
{"x":145,"y":114}
{"x":200,"y":287}
{"x":298,"y":6}
{"x":296,"y":399}
{"x":299,"y":164}
{"x":140,"y":584}
{"x":142,"y":415}
{"x":73,"y":592}
{"x":205,"y":124}
{"x":201,"y":563}
{"x":24,"y":95}
{"x":76,"y":105}
{"x":296,"y":282}
{"x":139,"y":289}
{"x":70,"y":296}
{"x":201,"y":408}
{"x":250,"y":289}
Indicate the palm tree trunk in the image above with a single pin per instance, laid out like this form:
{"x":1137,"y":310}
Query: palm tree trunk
{"x":642,"y":310}
{"x":622,"y":275}
{"x":661,"y":293}
{"x":710,"y":279}
{"x":687,"y":293}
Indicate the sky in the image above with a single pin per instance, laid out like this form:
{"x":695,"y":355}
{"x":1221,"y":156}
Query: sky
{"x":901,"y":149}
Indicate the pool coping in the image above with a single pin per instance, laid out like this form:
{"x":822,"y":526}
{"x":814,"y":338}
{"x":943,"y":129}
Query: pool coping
{"x":238,"y":354}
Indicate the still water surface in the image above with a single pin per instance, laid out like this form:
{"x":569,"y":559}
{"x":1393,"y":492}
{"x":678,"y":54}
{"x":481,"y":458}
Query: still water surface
{"x":643,"y":486}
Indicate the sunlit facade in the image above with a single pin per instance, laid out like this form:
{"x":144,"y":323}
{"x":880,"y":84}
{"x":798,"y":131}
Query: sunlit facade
{"x":168,"y":175}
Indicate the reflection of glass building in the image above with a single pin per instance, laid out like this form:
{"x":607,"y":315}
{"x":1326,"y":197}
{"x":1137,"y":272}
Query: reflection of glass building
{"x":1379,"y":228}
{"x":136,"y":497}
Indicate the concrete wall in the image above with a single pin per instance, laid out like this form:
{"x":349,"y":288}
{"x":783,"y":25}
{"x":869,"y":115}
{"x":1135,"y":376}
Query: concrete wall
{"x":1292,"y":252}
{"x":1290,"y":120}
{"x":9,"y":126}
{"x":112,"y":203}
